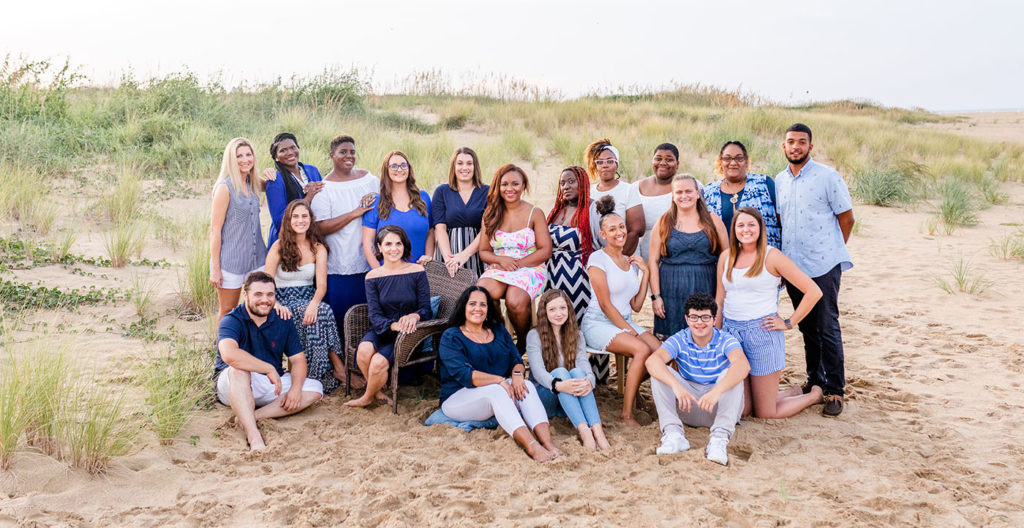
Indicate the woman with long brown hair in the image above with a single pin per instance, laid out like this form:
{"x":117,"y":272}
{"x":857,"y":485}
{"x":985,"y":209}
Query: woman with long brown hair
{"x":298,"y":263}
{"x":518,"y":245}
{"x":403,"y":204}
{"x":684,"y":249}
{"x":551,"y":347}
{"x":749,"y":276}
{"x":456,"y":212}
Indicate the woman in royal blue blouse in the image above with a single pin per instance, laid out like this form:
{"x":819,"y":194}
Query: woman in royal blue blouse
{"x":398,"y":297}
{"x":456,"y":212}
{"x":482,"y":375}
{"x":403,"y":204}
{"x":292,"y":180}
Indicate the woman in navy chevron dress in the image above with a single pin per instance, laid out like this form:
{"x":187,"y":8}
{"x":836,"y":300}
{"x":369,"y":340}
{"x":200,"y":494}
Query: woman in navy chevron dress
{"x":569,"y":225}
{"x":572,"y":239}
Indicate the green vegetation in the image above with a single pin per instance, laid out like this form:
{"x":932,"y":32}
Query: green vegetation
{"x":964,"y":279}
{"x":1009,"y":246}
{"x":958,"y":206}
{"x":16,"y":296}
{"x":176,"y":384}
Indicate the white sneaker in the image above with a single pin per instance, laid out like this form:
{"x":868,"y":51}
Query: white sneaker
{"x":672,"y":442}
{"x":716,"y":451}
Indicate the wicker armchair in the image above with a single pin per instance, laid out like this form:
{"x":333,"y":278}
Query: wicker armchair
{"x":357,"y":323}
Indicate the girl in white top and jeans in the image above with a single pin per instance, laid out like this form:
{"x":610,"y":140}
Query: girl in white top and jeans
{"x":748,"y":298}
{"x":618,"y":285}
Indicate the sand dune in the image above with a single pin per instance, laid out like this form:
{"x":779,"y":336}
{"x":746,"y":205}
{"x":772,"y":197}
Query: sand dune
{"x":930,"y":435}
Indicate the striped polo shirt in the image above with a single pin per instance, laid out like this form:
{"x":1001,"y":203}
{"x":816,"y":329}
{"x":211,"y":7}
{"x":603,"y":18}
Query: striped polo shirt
{"x":701,"y":365}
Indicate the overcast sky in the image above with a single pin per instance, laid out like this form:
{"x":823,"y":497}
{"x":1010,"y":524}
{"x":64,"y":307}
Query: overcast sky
{"x":941,"y":55}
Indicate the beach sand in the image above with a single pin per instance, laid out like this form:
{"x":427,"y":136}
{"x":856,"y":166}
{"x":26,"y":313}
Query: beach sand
{"x":930,"y":435}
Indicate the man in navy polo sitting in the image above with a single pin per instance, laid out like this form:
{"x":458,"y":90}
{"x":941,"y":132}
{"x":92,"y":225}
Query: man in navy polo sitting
{"x":706,"y":389}
{"x":251,"y":343}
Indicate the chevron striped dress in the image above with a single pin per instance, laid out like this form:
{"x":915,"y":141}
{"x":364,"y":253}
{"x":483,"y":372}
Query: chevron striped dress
{"x":566,"y":273}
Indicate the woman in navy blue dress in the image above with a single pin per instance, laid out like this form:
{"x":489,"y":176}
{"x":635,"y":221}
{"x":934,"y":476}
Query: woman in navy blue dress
{"x":293,"y":180}
{"x":403,"y":204}
{"x":398,"y":296}
{"x":456,"y":212}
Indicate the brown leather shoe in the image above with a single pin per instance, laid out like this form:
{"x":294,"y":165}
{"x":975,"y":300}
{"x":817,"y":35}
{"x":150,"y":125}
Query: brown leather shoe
{"x":833,"y":405}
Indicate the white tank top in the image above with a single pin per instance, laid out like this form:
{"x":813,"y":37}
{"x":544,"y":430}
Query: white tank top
{"x":749,"y":298}
{"x":302,"y":276}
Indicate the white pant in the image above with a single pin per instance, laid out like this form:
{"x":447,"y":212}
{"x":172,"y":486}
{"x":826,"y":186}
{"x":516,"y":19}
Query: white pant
{"x":262,"y":388}
{"x":481,"y":403}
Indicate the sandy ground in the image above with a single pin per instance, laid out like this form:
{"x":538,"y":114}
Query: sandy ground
{"x":929,"y":437}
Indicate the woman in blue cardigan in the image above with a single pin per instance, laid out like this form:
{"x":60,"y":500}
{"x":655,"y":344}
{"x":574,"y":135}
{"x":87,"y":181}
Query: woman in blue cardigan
{"x":292,"y":180}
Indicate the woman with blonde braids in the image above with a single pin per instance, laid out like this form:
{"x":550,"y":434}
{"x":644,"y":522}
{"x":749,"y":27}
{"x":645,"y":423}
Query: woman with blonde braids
{"x":602,"y":162}
{"x":684,"y":248}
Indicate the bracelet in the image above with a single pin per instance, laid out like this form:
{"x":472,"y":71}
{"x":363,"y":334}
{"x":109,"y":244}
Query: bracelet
{"x":517,"y":373}
{"x":554,"y":389}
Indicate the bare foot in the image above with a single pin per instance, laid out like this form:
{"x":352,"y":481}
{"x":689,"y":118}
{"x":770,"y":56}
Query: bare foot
{"x":554,"y":450}
{"x":587,"y":437}
{"x":792,"y":390}
{"x":602,"y":442}
{"x":256,"y":443}
{"x":380,"y":396}
{"x":358,"y":382}
{"x":339,"y":375}
{"x":538,"y":453}
{"x":818,"y":393}
{"x":628,"y":421}
{"x":360,"y":402}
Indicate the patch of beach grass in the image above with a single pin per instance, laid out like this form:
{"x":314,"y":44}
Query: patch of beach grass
{"x":963,"y":278}
{"x":175,"y":385}
{"x":957,"y":206}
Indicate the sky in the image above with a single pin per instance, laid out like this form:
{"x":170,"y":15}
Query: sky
{"x":939,"y":55}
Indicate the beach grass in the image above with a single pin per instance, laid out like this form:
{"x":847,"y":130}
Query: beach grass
{"x":125,"y":239}
{"x":958,"y":206}
{"x":15,"y":412}
{"x":195,"y":292}
{"x":175,"y":384}
{"x":96,"y":425}
{"x":963,"y":278}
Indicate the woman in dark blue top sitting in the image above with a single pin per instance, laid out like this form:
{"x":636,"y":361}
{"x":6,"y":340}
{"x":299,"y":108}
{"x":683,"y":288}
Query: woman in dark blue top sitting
{"x":398,"y":296}
{"x":456,"y":211}
{"x":482,"y":375}
{"x":291,"y":181}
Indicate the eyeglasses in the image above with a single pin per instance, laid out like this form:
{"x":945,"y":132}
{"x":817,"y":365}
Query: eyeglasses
{"x":605,"y":162}
{"x":703,"y":318}
{"x":738,"y":159}
{"x":404,"y":166}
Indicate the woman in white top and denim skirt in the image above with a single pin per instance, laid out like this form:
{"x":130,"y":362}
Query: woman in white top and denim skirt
{"x":749,"y":278}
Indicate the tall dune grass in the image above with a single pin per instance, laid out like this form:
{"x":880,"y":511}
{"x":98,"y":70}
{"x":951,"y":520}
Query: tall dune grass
{"x":15,"y":413}
{"x":175,"y":385}
{"x":196,"y":293}
{"x":96,"y":425}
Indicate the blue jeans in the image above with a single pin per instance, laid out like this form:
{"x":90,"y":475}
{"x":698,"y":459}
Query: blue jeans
{"x":580,"y":410}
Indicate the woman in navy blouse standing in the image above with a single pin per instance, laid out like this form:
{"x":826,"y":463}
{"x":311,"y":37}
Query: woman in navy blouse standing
{"x":456,"y":212}
{"x":293,"y":180}
{"x":482,"y":375}
{"x":398,"y":296}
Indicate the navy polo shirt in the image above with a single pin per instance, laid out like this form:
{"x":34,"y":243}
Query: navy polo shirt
{"x":270,"y":342}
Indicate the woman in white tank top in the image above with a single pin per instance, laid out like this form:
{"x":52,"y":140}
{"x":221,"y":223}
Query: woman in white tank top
{"x":749,"y":277}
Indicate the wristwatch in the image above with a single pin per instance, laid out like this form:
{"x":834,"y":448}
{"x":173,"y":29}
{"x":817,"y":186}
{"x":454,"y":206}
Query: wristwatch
{"x":655,"y":296}
{"x":789,"y":325}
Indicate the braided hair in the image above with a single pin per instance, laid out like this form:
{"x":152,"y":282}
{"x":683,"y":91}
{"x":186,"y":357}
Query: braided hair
{"x":291,"y":187}
{"x":581,"y":218}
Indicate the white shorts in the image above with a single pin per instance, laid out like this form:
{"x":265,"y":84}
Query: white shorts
{"x":262,"y":388}
{"x":234,"y":281}
{"x":599,"y":331}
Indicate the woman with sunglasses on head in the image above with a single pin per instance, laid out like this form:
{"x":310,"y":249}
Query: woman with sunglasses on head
{"x":292,"y":180}
{"x":737,"y":189}
{"x":684,"y":249}
{"x":403,"y":204}
{"x":456,"y":212}
{"x":297,"y":262}
{"x":655,"y":191}
{"x":749,"y":276}
{"x":602,"y":162}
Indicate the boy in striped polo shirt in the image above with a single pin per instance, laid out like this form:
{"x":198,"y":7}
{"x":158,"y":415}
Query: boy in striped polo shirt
{"x":706,"y":389}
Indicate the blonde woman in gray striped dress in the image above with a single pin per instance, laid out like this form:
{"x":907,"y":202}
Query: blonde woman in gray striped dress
{"x":236,"y":238}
